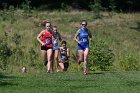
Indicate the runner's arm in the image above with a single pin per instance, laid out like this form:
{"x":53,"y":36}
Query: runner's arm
{"x":68,"y":52}
{"x":38,"y":37}
{"x":76,"y":36}
{"x":60,"y":39}
{"x":90,"y":35}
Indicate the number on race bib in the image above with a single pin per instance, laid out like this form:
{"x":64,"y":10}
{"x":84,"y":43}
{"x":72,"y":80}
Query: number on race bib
{"x":48,"y":41}
{"x":84,"y":40}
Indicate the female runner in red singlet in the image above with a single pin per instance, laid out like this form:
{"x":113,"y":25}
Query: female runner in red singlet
{"x":45,"y":38}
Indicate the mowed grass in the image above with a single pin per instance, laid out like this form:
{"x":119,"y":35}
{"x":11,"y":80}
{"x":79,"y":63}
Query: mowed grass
{"x":96,"y":82}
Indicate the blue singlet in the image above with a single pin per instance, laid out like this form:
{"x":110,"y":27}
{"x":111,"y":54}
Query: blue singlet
{"x":83,"y":39}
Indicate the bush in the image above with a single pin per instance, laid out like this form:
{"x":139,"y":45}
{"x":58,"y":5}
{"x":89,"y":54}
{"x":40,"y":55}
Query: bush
{"x":129,"y":62}
{"x":26,"y":7}
{"x":33,"y":56}
{"x":12,"y":14}
{"x":96,"y":8}
{"x":5,"y":53}
{"x":65,"y":7}
{"x":100,"y":56}
{"x":18,"y":54}
{"x":16,"y":39}
{"x":8,"y":14}
{"x":112,"y":7}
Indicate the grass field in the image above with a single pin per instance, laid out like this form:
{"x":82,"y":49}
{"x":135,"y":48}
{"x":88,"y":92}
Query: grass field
{"x":96,"y":82}
{"x":121,"y":32}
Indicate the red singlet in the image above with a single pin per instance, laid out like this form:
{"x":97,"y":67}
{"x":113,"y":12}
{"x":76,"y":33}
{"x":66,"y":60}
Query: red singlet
{"x":47,"y":39}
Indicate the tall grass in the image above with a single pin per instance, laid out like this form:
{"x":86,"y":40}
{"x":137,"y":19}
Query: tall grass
{"x":120,"y":32}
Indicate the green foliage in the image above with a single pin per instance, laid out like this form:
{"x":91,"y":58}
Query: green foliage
{"x":26,"y":6}
{"x":100,"y":56}
{"x":129,"y":62}
{"x":43,"y":7}
{"x":18,"y":56}
{"x":33,"y":56}
{"x":18,"y":53}
{"x":76,"y":4}
{"x":11,"y":14}
{"x":65,"y":7}
{"x":8,"y":14}
{"x":112,"y":7}
{"x":96,"y":8}
{"x":5,"y":53}
{"x":27,"y":9}
{"x":4,"y":14}
{"x":16,"y":38}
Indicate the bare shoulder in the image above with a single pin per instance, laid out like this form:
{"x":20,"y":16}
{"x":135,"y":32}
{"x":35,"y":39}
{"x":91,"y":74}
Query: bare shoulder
{"x":78,"y":31}
{"x":42,"y":31}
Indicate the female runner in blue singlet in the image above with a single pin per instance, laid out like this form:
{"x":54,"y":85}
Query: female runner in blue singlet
{"x":64,"y":56}
{"x":56,"y":39}
{"x":81,"y":37}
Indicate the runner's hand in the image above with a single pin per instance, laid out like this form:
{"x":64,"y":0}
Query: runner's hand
{"x":55,"y":42}
{"x":91,"y":39}
{"x":43,"y":44}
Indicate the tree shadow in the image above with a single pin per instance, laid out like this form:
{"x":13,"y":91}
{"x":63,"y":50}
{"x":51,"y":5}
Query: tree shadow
{"x":96,"y":73}
{"x":5,"y":80}
{"x":136,"y":28}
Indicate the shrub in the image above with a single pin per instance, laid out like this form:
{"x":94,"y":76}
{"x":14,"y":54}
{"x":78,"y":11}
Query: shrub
{"x":65,"y":7}
{"x":32,"y":56}
{"x":96,"y":8}
{"x":11,"y":14}
{"x":8,"y":14}
{"x":100,"y":56}
{"x":16,"y":38}
{"x":129,"y":62}
{"x":18,"y":53}
{"x":112,"y":7}
{"x":26,"y":6}
{"x":5,"y":53}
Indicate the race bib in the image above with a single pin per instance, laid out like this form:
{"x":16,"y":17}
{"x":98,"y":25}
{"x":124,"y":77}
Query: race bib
{"x":48,"y":41}
{"x":84,"y":40}
{"x":63,"y":57}
{"x":55,"y":42}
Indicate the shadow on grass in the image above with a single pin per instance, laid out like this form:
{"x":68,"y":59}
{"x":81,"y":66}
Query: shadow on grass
{"x":136,"y":28}
{"x":5,"y":80}
{"x":98,"y":73}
